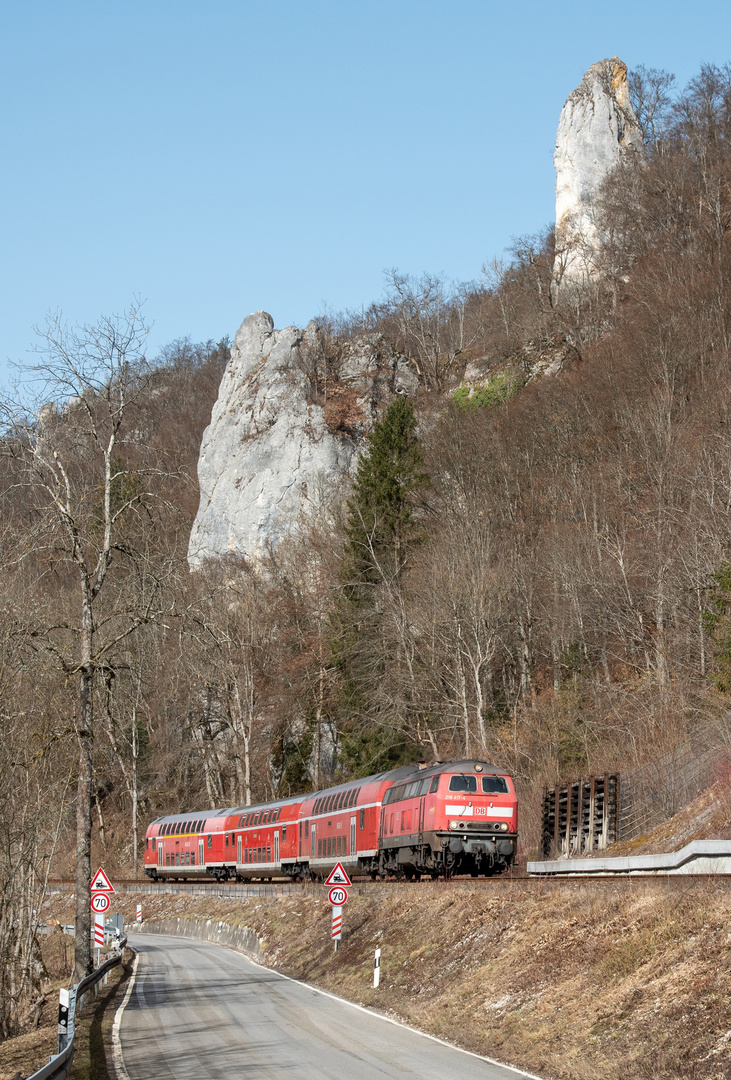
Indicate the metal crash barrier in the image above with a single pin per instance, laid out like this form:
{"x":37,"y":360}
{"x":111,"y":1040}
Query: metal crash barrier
{"x":59,"y":1064}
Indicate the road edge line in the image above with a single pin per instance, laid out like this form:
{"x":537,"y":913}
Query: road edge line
{"x":354,"y":1005}
{"x":391,"y":1020}
{"x":117,"y":1056}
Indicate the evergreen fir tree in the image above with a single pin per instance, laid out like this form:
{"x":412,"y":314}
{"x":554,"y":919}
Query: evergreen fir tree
{"x":381,"y":528}
{"x":381,"y":531}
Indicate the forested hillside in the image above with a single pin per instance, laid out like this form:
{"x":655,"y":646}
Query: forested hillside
{"x":530,"y":567}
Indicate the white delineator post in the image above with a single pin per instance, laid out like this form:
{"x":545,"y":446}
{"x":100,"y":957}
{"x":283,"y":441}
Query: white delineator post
{"x":63,"y":1018}
{"x":139,"y":913}
{"x":377,"y":969}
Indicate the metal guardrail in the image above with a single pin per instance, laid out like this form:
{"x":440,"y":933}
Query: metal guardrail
{"x":59,"y":1065}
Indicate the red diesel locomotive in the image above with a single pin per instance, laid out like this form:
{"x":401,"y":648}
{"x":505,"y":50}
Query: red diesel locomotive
{"x":455,"y":818}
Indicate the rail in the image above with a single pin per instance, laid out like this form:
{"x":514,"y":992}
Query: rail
{"x":59,"y":1065}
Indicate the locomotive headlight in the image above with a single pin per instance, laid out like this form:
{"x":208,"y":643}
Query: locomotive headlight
{"x":504,"y":826}
{"x":454,"y":824}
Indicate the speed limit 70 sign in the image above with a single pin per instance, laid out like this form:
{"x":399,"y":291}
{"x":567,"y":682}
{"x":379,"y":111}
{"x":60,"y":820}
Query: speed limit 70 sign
{"x":99,"y":902}
{"x":337,"y":896}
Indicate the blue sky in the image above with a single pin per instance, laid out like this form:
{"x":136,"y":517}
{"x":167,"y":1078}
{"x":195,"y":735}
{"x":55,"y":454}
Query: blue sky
{"x":215,"y":158}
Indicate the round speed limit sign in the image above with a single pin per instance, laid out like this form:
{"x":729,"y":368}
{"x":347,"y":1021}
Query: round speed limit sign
{"x":99,"y":902}
{"x":337,"y":896}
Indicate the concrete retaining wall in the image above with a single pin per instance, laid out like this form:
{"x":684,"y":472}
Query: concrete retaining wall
{"x":237,"y":937}
{"x":698,"y":857}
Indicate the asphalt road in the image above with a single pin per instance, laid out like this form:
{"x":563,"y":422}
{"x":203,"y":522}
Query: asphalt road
{"x":202,"y":1012}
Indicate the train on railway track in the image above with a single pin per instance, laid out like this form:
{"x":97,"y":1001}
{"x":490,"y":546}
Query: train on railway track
{"x":458,"y":817}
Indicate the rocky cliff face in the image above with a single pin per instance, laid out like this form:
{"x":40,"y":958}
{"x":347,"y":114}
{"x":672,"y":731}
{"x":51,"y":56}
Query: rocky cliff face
{"x":279,"y":445}
{"x":596,"y":130}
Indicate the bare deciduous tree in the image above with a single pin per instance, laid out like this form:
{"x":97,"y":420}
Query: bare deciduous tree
{"x":69,"y":465}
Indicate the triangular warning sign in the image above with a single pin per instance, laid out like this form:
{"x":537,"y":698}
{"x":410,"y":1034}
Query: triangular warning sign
{"x":338,"y":876}
{"x":100,"y":882}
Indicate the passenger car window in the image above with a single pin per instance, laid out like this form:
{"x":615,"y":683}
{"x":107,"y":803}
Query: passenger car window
{"x":495,"y":785}
{"x":463,"y":783}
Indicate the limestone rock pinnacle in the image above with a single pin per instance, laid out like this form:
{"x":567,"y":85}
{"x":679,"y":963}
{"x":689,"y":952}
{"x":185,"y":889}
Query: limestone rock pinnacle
{"x":596,"y":131}
{"x":277,"y":448}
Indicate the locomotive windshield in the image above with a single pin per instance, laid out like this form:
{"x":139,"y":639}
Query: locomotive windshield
{"x":491,"y":785}
{"x":463,"y":783}
{"x":494,"y":785}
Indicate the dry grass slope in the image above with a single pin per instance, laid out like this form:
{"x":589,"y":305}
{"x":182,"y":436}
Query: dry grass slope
{"x":587,"y":980}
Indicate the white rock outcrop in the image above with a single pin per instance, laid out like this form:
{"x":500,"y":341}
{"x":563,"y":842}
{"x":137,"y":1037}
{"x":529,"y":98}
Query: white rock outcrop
{"x":596,"y":131}
{"x":275,"y":452}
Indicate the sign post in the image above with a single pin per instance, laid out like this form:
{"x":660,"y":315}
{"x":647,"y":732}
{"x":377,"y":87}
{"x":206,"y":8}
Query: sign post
{"x":337,"y":926}
{"x":99,"y":936}
{"x":101,"y":887}
{"x":338,"y":895}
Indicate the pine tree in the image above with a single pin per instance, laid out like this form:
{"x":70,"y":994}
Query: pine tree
{"x":381,"y":532}
{"x":381,"y":528}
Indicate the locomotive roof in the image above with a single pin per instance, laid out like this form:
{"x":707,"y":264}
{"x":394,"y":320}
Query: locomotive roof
{"x":467,"y":765}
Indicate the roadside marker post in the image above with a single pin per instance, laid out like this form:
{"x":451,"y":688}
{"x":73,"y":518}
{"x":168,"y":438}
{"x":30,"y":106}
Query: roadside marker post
{"x":377,"y":969}
{"x":139,"y":913}
{"x":337,"y":926}
{"x":63,"y":1018}
{"x":98,"y":937}
{"x":337,"y":896}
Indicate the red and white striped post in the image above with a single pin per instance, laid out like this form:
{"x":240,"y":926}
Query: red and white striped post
{"x":98,"y":936}
{"x":337,"y":926}
{"x":139,"y":913}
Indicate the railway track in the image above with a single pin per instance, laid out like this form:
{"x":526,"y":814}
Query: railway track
{"x":362,"y":887}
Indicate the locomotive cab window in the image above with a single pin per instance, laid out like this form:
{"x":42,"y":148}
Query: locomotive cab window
{"x":434,"y":785}
{"x":463,"y":783}
{"x":495,"y":785}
